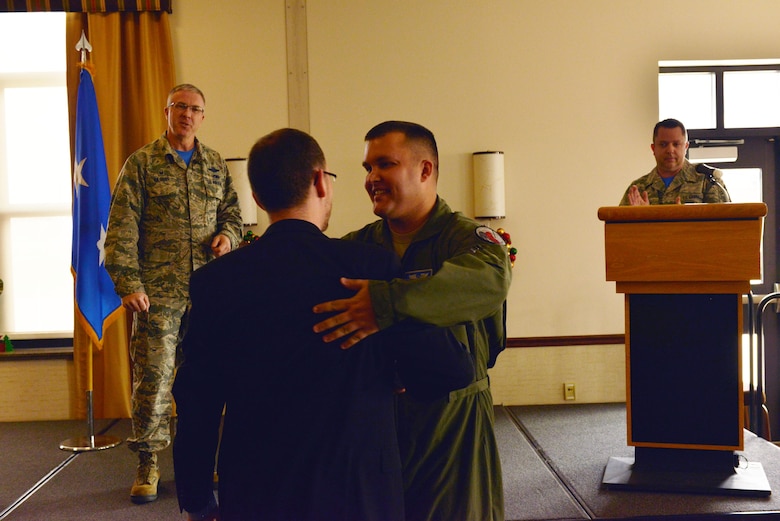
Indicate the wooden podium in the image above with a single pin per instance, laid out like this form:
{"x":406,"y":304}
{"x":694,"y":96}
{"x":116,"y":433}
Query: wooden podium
{"x":683,"y":270}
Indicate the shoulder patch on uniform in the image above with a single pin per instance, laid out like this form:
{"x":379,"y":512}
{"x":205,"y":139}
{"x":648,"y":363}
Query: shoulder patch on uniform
{"x":489,"y":235}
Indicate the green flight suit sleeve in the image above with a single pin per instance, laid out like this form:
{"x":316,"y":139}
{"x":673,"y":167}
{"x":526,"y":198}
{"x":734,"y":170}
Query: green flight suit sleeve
{"x":471,"y":284}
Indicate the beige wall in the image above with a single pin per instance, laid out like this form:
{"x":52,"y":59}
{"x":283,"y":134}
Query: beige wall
{"x":235,"y":52}
{"x":566,"y":88}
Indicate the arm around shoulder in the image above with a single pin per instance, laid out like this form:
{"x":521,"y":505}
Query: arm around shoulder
{"x":431,"y":360}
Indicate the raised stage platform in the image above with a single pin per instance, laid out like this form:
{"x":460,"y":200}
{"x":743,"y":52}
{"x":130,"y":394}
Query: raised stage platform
{"x":553,"y":458}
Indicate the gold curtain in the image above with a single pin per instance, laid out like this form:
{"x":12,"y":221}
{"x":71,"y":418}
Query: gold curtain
{"x":133,"y":69}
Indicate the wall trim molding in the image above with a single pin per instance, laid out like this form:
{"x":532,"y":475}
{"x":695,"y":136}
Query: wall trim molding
{"x":557,"y":341}
{"x":28,"y":353}
{"x":37,"y":353}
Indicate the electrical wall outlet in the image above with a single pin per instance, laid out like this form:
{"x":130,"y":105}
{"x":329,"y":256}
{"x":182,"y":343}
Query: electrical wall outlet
{"x":569,"y":391}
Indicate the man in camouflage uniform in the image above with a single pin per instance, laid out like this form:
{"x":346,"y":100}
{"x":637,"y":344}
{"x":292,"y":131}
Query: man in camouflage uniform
{"x":456,"y":275}
{"x":674,"y":180}
{"x":173,"y":209}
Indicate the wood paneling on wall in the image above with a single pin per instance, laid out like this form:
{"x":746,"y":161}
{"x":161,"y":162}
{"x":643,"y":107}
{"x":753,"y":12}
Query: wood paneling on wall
{"x":41,"y":389}
{"x":535,"y":375}
{"x":36,"y":390}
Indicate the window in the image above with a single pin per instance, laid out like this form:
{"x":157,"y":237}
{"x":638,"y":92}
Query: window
{"x":750,"y":99}
{"x":744,"y":184}
{"x":688,"y":97}
{"x":35,"y":190}
{"x":721,"y":95}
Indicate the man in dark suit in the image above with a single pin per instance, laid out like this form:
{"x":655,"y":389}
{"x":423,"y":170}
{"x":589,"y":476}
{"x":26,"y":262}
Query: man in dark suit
{"x":309,"y":430}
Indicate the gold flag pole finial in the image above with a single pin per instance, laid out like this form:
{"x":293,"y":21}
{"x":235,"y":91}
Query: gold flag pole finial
{"x":84,"y":46}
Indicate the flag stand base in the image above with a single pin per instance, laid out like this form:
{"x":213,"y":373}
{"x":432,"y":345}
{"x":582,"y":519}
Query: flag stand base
{"x":90,"y":442}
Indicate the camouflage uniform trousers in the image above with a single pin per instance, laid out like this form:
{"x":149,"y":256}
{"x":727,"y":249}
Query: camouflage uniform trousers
{"x":153,"y":351}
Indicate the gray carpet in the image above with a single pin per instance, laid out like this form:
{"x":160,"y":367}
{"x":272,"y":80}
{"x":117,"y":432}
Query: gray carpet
{"x":20,"y":470}
{"x":553,"y":458}
{"x":531,"y":489}
{"x":95,"y":485}
{"x":578,"y":440}
{"x":92,"y":486}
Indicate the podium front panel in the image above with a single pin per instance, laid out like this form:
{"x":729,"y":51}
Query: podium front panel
{"x":684,"y":371}
{"x":683,"y":251}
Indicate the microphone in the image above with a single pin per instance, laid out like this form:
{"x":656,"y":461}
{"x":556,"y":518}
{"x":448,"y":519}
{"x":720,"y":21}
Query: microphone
{"x":714,"y":176}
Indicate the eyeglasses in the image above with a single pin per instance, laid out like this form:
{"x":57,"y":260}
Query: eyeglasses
{"x":334,"y":176}
{"x":182,"y":107}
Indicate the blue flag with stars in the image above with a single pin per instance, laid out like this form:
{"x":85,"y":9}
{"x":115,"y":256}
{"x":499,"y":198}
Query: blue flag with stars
{"x":96,"y":301}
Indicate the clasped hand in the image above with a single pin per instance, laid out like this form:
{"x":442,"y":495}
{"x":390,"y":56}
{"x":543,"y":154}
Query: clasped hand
{"x":355,"y":319}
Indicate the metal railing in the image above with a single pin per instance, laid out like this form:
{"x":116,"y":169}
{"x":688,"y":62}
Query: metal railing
{"x":757,"y":398}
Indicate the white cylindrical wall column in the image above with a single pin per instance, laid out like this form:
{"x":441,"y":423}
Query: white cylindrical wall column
{"x":489,"y":200}
{"x":237,"y":168}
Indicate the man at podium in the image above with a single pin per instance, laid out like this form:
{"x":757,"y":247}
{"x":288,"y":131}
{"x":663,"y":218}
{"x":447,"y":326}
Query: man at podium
{"x":674,"y":180}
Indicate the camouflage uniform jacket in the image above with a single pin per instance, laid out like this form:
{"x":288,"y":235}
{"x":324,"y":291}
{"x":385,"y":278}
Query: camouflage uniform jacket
{"x":458,"y":279}
{"x":689,"y":185}
{"x":164,"y":216}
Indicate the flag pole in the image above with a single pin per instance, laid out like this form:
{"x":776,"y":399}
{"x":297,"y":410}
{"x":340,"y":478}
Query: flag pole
{"x":90,"y":442}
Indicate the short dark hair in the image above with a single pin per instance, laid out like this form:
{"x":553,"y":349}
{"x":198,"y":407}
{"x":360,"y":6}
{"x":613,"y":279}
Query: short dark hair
{"x":280,"y":168}
{"x":669,"y":123}
{"x":189,"y":88}
{"x":412,"y":131}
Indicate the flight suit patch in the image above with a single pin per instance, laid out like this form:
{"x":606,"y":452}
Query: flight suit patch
{"x":489,"y":235}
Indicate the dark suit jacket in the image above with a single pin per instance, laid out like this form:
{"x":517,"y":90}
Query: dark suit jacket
{"x":309,"y":429}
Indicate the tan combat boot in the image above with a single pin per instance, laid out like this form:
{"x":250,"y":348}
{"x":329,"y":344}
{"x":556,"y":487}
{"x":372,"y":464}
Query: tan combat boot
{"x":144,"y":489}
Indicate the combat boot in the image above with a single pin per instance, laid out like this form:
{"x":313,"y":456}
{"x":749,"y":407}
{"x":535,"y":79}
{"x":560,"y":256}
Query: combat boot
{"x":144,"y":489}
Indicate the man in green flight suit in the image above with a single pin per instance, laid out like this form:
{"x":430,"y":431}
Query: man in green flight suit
{"x":457,"y":275}
{"x":174,"y":208}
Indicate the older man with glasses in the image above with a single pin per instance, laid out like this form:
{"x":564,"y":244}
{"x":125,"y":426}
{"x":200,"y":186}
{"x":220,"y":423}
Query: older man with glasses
{"x":174,"y":209}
